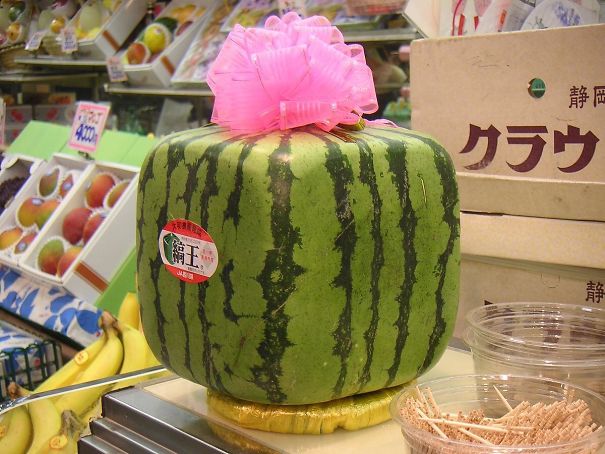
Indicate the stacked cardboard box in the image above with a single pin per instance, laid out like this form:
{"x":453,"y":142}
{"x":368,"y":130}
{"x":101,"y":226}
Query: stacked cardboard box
{"x":522,"y":115}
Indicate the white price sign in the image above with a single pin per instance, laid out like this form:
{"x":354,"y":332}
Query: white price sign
{"x":35,"y":41}
{"x":69,"y":41}
{"x":88,"y":125}
{"x":115,"y":70}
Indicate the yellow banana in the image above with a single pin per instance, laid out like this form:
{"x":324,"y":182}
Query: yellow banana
{"x":66,"y":375}
{"x":106,"y":364}
{"x":130,"y":311}
{"x":135,"y":353}
{"x":15,"y":431}
{"x":65,"y":441}
{"x":45,"y":421}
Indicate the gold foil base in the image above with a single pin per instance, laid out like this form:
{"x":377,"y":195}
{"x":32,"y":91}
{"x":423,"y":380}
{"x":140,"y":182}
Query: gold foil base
{"x":350,"y":413}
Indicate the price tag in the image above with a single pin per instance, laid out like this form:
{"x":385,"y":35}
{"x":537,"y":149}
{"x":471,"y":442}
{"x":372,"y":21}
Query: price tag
{"x":88,"y":125}
{"x":35,"y":41}
{"x":115,"y":70}
{"x":2,"y":121}
{"x":69,"y":42}
{"x":298,"y":6}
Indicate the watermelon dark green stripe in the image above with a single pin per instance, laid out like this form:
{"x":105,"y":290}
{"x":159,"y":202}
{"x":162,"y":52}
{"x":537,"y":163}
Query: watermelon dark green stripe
{"x":226,"y":280}
{"x":449,"y":203}
{"x":174,"y":148}
{"x":407,"y":224}
{"x":368,"y":176}
{"x":211,"y":371}
{"x":278,"y":276}
{"x":342,"y":176}
{"x":232,"y":211}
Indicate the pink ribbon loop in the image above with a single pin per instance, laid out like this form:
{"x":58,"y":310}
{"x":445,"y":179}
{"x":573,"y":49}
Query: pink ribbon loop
{"x":292,"y":73}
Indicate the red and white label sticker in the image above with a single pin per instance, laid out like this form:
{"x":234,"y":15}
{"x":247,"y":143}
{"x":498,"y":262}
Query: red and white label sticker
{"x":188,"y":251}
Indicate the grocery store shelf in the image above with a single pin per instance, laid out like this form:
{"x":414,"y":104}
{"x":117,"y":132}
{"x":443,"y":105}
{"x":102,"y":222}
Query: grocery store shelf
{"x":395,"y":35}
{"x":44,"y":77}
{"x":56,"y":62}
{"x":119,"y":89}
{"x":201,"y":90}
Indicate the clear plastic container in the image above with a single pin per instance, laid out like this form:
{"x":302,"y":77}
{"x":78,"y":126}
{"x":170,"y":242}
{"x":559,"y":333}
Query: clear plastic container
{"x":560,"y":341}
{"x":547,"y":327}
{"x":472,"y":392}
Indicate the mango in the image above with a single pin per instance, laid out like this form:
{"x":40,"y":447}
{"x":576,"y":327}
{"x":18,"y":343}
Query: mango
{"x":73,"y":224}
{"x":24,"y":243}
{"x":9,"y":237}
{"x":28,"y":211}
{"x":67,"y":259}
{"x":45,"y":211}
{"x":91,"y":226}
{"x":49,"y":256}
{"x":98,"y":188}
{"x":116,"y":192}
{"x":48,"y":182}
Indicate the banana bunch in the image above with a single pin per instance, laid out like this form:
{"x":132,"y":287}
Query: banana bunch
{"x":54,"y":425}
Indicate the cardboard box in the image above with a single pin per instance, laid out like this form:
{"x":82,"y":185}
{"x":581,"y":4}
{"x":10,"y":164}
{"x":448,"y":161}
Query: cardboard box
{"x":18,"y":115}
{"x":104,"y":253}
{"x":515,"y":258}
{"x":517,"y":152}
{"x":55,"y":113}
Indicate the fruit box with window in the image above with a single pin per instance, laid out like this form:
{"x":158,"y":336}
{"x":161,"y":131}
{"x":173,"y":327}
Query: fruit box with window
{"x":101,"y":31}
{"x":153,"y":57}
{"x":92,"y":233}
{"x":35,"y":206}
{"x":525,"y":126}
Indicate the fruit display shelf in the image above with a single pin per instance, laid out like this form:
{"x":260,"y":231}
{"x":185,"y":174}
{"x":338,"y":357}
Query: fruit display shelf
{"x":33,"y":207}
{"x":98,"y":216}
{"x":171,"y":415}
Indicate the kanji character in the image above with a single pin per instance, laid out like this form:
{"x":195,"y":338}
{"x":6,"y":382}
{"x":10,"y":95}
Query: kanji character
{"x":577,"y":97}
{"x":178,"y":252}
{"x":599,"y":95}
{"x":588,"y":140}
{"x":594,"y":292}
{"x":475,"y":133}
{"x":537,"y":145}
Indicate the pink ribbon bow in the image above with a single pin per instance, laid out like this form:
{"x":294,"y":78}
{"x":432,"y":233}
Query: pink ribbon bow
{"x":292,"y":73}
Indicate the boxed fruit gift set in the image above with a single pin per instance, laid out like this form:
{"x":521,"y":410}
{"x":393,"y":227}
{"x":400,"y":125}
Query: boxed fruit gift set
{"x":101,"y":26}
{"x":47,"y":189}
{"x":154,"y":56}
{"x":92,"y":233}
{"x":299,"y":265}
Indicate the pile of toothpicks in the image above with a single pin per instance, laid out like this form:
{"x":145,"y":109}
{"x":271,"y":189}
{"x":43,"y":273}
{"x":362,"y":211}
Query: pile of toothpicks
{"x":524,"y":425}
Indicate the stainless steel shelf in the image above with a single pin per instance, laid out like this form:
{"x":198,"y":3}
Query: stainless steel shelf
{"x":119,"y":89}
{"x":395,"y":35}
{"x":56,"y":62}
{"x":44,"y":77}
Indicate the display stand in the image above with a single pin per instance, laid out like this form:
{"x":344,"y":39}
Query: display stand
{"x":172,"y":416}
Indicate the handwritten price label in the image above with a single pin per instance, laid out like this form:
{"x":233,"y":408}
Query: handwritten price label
{"x":115,"y":70}
{"x":69,"y":41}
{"x":35,"y":41}
{"x":88,"y":125}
